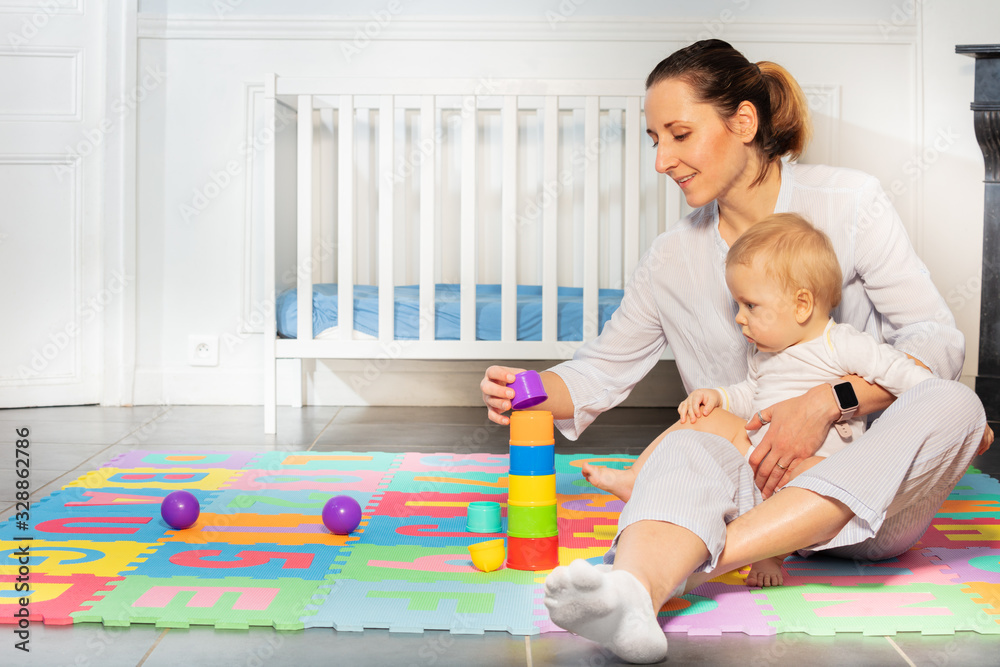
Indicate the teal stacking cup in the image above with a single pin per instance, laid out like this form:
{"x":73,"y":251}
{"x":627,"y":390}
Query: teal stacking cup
{"x":483,"y":517}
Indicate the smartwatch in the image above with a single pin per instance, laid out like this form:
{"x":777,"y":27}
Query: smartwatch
{"x":847,"y":401}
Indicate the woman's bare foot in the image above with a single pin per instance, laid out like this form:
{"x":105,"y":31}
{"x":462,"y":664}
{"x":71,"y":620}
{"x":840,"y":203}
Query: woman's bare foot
{"x":767,"y":572}
{"x":612,"y":480}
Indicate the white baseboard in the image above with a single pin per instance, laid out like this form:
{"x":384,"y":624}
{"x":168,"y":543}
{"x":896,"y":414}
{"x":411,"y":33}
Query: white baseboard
{"x":360,"y":383}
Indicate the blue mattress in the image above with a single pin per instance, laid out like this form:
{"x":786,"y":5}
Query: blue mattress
{"x":446,"y":325}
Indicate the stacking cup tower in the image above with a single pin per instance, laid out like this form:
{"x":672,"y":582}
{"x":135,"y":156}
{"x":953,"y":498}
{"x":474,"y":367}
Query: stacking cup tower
{"x":532,"y":532}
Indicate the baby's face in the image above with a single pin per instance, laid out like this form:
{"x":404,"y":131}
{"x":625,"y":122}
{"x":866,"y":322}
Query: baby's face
{"x":766,"y":310}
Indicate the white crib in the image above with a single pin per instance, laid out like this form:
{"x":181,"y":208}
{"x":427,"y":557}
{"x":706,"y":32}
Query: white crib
{"x":479,"y":162}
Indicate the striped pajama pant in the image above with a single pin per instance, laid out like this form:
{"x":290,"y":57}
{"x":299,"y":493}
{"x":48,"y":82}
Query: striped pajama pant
{"x":894,"y":477}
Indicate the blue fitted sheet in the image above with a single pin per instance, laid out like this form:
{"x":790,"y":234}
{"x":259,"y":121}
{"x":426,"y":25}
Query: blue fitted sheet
{"x":446,"y":325}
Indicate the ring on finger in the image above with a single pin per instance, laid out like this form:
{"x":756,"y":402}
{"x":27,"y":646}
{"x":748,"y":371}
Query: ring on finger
{"x":781,"y":466}
{"x":761,"y":418}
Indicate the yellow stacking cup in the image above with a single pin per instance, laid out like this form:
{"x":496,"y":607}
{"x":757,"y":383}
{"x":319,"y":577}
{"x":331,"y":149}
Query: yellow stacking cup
{"x":488,"y":556}
{"x":531,"y":428}
{"x":531,"y":489}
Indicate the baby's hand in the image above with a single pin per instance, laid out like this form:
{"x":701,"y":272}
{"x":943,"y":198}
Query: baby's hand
{"x":699,"y":403}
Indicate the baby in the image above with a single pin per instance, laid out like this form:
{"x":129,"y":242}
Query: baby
{"x":784,"y":276}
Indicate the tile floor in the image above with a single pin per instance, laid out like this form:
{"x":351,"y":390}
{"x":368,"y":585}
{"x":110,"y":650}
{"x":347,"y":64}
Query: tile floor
{"x":67,"y":442}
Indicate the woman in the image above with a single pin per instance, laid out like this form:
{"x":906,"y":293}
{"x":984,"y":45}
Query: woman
{"x":721,"y":126}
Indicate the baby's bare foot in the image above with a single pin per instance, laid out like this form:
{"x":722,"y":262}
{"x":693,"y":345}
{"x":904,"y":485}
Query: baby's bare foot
{"x":612,"y":480}
{"x":766,"y":573}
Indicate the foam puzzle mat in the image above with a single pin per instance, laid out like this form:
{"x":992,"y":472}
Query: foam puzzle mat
{"x":259,"y":554}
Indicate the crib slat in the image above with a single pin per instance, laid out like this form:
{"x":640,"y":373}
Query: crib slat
{"x":319,"y":258}
{"x":468,"y":220}
{"x":550,"y":209}
{"x":591,"y":216}
{"x":270,"y":325}
{"x":386,"y":194}
{"x":327,"y":216}
{"x":508,"y":224}
{"x":612,"y":226}
{"x":428,"y":149}
{"x":345,"y":219}
{"x":633,"y":132}
{"x":304,"y":230}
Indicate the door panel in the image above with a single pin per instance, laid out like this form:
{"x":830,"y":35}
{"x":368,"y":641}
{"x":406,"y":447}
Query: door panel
{"x":53,"y":127}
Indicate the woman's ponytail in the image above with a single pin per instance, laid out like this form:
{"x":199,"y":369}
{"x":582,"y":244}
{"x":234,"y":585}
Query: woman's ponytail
{"x":790,"y":124}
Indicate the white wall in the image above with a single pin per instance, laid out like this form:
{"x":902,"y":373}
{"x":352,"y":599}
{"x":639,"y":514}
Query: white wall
{"x":893,"y":101}
{"x":951,"y":188}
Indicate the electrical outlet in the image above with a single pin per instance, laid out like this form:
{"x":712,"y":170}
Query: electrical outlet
{"x":203,"y":350}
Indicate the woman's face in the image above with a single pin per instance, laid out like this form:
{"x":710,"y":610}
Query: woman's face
{"x":694,"y":146}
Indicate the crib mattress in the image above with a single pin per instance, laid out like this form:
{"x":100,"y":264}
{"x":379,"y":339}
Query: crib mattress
{"x":447,"y":305}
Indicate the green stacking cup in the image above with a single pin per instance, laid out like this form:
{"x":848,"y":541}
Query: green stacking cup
{"x":532,"y":521}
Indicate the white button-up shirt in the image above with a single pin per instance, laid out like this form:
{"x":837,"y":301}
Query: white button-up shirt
{"x":678,"y":296}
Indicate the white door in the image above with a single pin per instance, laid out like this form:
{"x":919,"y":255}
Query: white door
{"x":53,"y":127}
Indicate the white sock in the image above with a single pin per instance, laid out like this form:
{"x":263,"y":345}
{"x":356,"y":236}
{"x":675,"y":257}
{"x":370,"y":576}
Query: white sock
{"x":607,"y":606}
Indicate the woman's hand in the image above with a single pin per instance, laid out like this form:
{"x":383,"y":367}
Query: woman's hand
{"x":798,"y":428}
{"x":699,"y":403}
{"x":496,"y":395}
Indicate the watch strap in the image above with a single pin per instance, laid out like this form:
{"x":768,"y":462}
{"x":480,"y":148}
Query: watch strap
{"x":843,"y":428}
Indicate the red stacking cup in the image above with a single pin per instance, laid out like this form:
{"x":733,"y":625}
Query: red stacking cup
{"x":533,"y":553}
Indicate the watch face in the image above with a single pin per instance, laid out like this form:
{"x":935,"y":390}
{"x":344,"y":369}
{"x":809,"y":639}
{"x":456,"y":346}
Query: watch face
{"x":846,"y":396}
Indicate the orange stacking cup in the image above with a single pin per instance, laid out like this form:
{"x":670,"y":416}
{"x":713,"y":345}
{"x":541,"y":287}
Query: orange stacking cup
{"x":531,"y":428}
{"x":526,"y":553}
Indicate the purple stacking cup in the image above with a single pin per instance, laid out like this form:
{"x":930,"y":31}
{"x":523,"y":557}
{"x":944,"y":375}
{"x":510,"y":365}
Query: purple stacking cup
{"x":528,"y":390}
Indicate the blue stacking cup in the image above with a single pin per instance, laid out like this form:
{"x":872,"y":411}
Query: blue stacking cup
{"x":532,"y":461}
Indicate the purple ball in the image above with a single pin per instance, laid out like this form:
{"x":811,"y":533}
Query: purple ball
{"x":341,"y":514}
{"x":180,"y":509}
